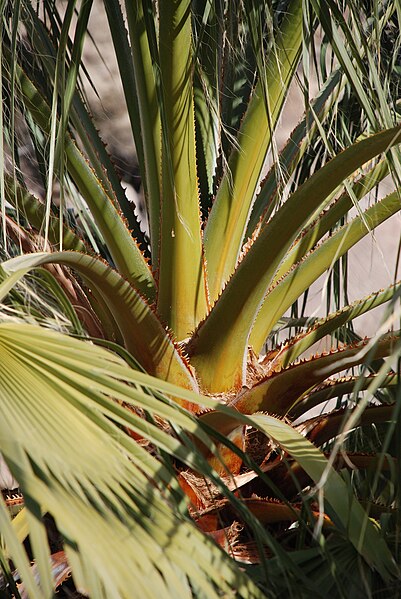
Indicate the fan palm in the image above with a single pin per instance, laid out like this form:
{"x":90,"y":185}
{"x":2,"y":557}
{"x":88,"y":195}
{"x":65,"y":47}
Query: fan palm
{"x":177,"y":436}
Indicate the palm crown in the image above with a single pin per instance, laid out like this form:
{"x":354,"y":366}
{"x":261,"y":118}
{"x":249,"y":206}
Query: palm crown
{"x":190,"y":312}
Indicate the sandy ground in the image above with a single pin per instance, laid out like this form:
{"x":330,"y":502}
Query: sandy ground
{"x":107,"y":102}
{"x":372,"y":262}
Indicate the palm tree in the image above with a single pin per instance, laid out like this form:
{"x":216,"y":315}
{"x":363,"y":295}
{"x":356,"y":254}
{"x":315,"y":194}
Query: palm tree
{"x":173,"y":440}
